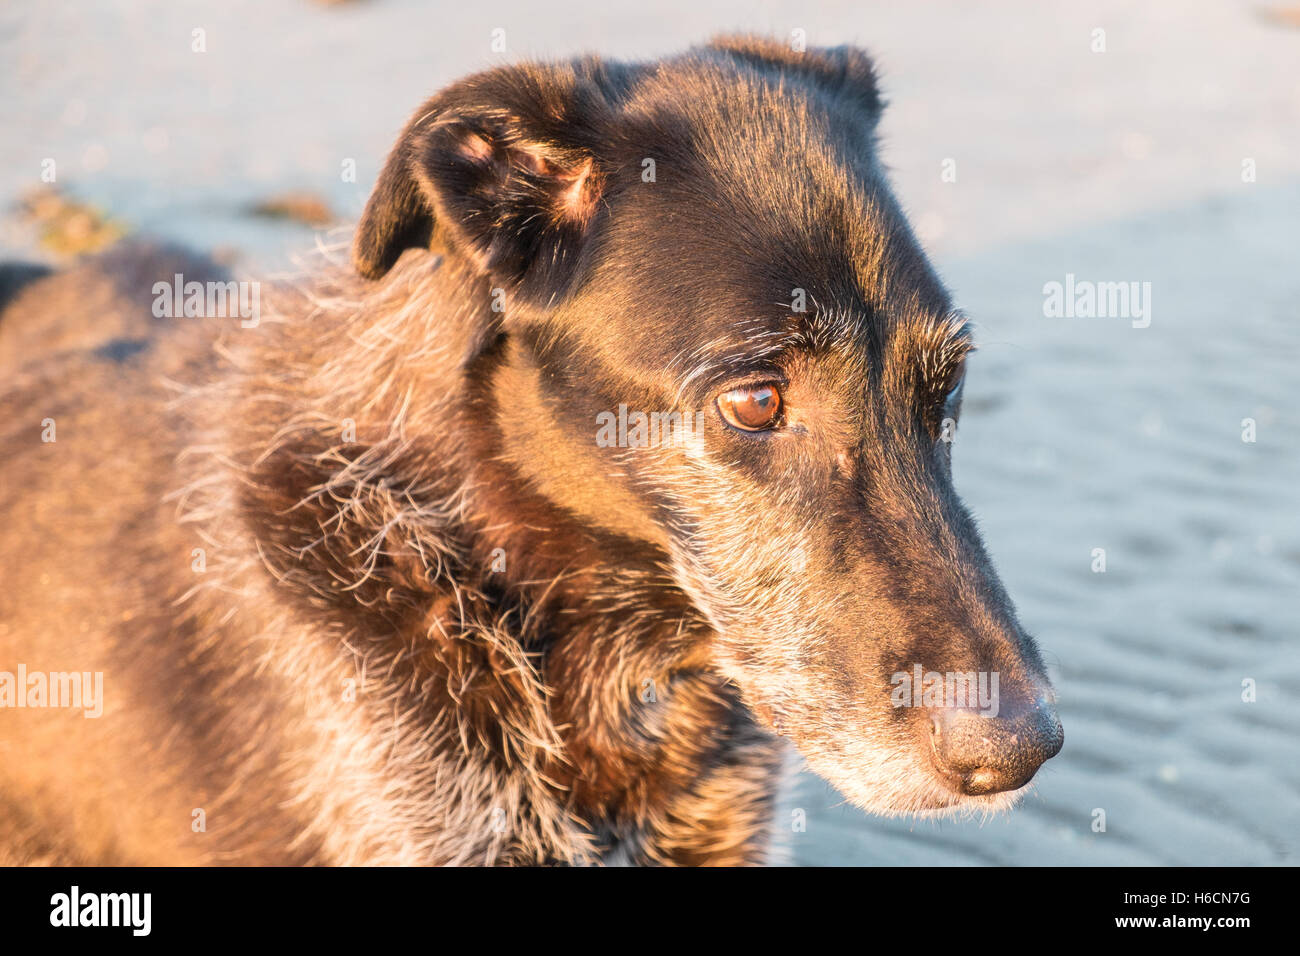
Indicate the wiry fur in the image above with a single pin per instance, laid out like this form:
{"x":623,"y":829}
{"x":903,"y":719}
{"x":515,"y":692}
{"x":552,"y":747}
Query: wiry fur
{"x":454,"y":751}
{"x":357,"y":467}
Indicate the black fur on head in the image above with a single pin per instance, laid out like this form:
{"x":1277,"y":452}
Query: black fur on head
{"x":827,"y":551}
{"x":514,"y":164}
{"x":504,"y":163}
{"x":843,"y":71}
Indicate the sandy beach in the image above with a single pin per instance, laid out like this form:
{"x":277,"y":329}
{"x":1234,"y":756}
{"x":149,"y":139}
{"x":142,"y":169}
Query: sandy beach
{"x":1026,"y":156}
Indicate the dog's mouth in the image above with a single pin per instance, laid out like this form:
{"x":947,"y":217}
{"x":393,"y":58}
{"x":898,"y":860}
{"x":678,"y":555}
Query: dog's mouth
{"x":979,"y":788}
{"x":961,"y":768}
{"x":963,"y":805}
{"x":959,"y":752}
{"x":927,"y":793}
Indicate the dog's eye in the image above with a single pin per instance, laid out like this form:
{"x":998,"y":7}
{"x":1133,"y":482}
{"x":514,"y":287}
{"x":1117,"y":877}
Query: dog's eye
{"x":954,"y":393}
{"x":958,"y":382}
{"x":751,"y":408}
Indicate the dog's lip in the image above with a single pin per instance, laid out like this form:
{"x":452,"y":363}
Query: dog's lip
{"x":952,"y":781}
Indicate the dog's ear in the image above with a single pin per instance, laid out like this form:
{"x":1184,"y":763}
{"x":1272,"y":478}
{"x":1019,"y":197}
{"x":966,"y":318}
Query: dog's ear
{"x":504,"y":165}
{"x":843,"y":71}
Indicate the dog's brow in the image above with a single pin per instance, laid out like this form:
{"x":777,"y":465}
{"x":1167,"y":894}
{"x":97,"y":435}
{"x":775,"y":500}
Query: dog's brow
{"x":757,"y":345}
{"x":953,"y":326}
{"x":944,"y":344}
{"x":962,"y":338}
{"x":753,"y":345}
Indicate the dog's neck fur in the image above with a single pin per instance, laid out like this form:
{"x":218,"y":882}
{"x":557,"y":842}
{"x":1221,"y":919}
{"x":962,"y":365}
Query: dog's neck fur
{"x":549,"y":456}
{"x":514,"y":618}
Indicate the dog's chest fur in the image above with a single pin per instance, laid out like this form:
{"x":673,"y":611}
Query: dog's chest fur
{"x":469,"y":673}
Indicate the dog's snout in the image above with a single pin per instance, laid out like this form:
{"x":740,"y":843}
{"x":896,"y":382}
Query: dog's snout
{"x":978,"y":754}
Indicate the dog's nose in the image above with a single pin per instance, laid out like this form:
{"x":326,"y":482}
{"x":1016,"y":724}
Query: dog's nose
{"x":978,"y":754}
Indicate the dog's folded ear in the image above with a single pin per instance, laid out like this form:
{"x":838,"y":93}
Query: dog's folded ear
{"x":843,"y":71}
{"x":503,"y":164}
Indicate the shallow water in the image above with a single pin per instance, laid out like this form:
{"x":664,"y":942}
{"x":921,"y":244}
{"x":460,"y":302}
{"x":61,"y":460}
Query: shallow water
{"x":1077,"y":434}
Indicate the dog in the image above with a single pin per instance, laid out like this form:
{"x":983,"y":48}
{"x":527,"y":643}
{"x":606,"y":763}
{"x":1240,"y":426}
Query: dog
{"x":614,"y":462}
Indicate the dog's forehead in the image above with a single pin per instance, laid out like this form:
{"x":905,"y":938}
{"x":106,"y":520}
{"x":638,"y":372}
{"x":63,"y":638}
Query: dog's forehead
{"x":767,"y":217}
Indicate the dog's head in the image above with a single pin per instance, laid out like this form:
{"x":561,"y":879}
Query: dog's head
{"x":721,"y":337}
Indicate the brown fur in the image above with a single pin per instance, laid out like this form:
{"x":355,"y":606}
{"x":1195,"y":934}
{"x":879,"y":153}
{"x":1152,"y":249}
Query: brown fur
{"x":610,"y":695}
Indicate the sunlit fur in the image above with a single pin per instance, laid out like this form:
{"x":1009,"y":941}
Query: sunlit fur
{"x":437,"y":622}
